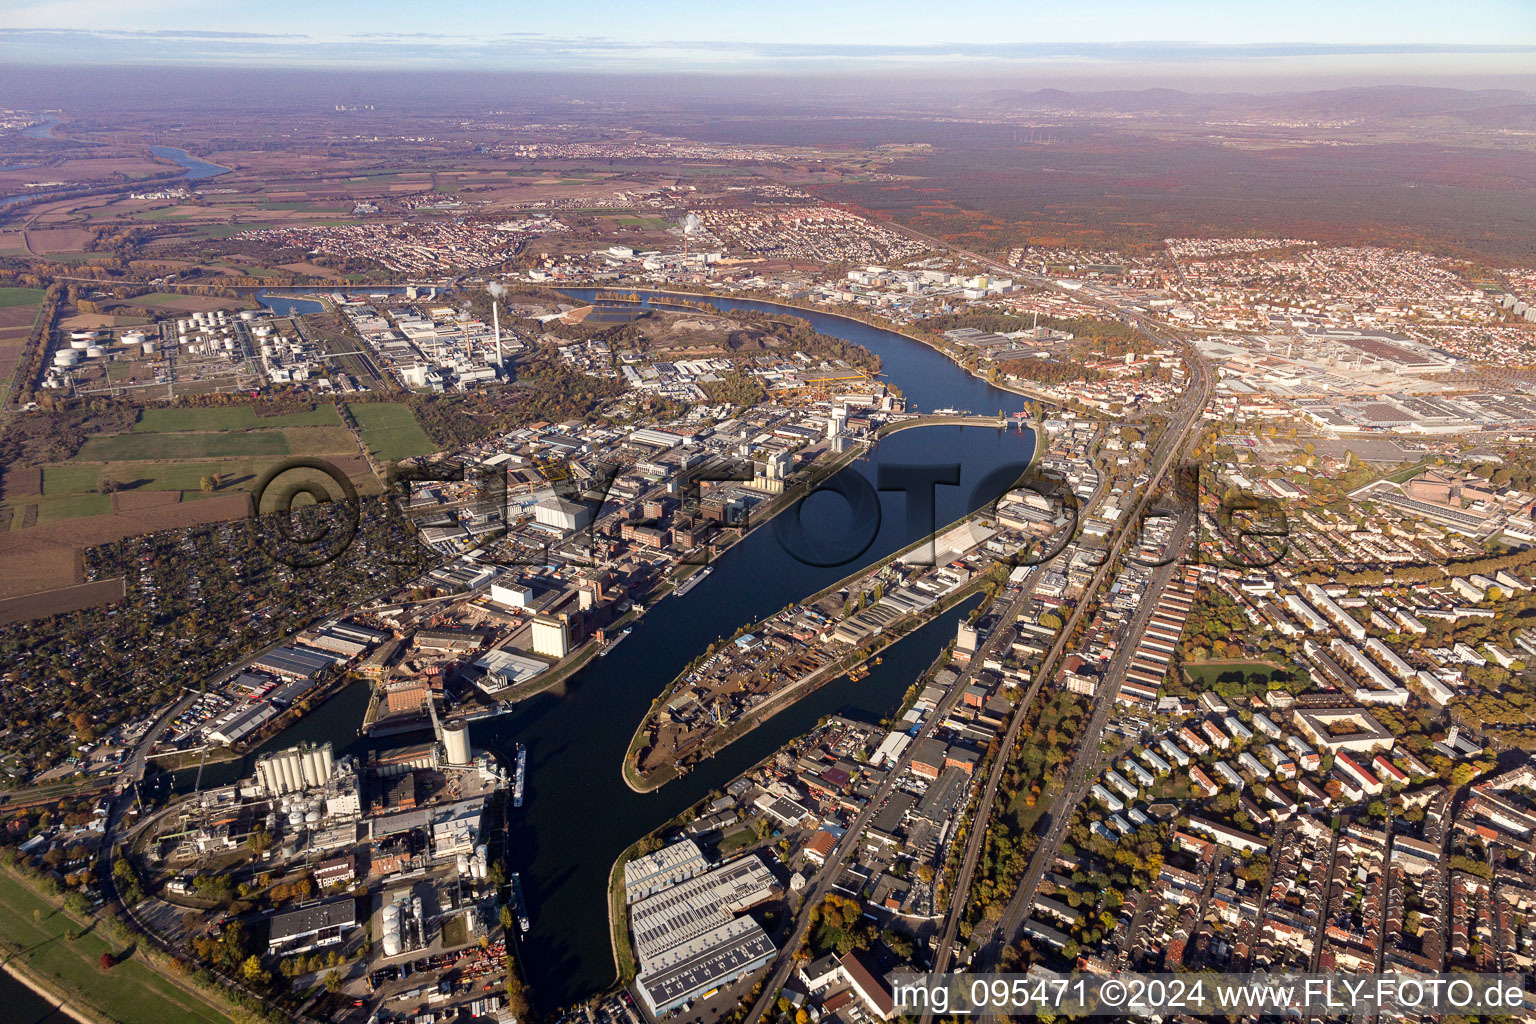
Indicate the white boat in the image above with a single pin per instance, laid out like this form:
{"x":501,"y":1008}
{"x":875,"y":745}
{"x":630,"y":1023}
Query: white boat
{"x":519,"y":776}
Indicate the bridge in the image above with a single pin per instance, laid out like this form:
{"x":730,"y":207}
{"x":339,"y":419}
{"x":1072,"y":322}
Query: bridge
{"x":998,"y":422}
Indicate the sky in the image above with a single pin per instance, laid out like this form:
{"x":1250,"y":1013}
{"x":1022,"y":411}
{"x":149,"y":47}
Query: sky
{"x":1427,"y":37}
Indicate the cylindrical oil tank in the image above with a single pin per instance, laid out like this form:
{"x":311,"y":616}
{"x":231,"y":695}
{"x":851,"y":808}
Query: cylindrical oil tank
{"x":80,"y":344}
{"x":66,"y":357}
{"x":148,"y":348}
{"x":95,"y":352}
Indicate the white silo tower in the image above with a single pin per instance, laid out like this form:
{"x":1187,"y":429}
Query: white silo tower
{"x":456,"y":742}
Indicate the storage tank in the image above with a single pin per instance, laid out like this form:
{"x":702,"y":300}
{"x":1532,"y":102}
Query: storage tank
{"x":66,"y":357}
{"x":149,"y":348}
{"x":463,"y":864}
{"x":80,"y":344}
{"x":313,"y":818}
{"x":84,"y":335}
{"x":456,"y":741}
{"x":249,"y":314}
{"x":95,"y":352}
{"x":229,"y":344}
{"x":391,"y":943}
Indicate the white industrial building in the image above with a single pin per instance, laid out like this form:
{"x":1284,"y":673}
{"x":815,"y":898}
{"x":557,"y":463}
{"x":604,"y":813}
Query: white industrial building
{"x":551,"y":636}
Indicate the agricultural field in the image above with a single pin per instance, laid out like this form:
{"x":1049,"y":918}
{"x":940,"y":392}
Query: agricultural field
{"x":232,"y":417}
{"x":18,"y":311}
{"x":177,"y":450}
{"x":390,"y":431}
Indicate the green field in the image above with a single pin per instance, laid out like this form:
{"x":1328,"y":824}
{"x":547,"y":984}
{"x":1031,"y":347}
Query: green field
{"x":234,"y":417}
{"x":131,"y":992}
{"x":154,"y":298}
{"x":20,"y":296}
{"x":67,"y":479}
{"x":150,"y":447}
{"x":390,"y":430}
{"x":1206,"y":674}
{"x":73,"y":506}
{"x":650,"y":223}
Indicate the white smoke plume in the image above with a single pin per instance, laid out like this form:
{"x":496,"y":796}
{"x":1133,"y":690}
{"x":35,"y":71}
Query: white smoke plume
{"x":693,"y":225}
{"x":496,"y":288}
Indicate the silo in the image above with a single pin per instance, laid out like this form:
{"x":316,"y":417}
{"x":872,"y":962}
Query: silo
{"x":310,"y":759}
{"x":291,"y":780}
{"x":326,"y":764}
{"x":456,"y":741}
{"x":463,"y":864}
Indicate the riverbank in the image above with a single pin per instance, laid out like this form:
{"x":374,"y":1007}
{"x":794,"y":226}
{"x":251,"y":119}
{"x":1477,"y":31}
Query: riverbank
{"x":46,"y":947}
{"x":880,"y":324}
{"x":22,"y":976}
{"x":819,"y":472}
{"x":786,"y":697}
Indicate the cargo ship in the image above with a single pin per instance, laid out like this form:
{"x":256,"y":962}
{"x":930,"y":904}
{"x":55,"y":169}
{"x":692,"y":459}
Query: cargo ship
{"x":519,"y":774}
{"x":519,"y":904}
{"x":692,"y":581}
{"x":610,"y":645}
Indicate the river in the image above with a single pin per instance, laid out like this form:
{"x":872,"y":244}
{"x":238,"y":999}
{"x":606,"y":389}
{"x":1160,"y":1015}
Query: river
{"x":24,"y":1006}
{"x":197,"y":169}
{"x":579,"y":815}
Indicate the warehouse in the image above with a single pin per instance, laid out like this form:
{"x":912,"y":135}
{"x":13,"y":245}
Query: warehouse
{"x":295,"y":662}
{"x":323,"y":924}
{"x":698,"y":905}
{"x":719,"y":957}
{"x":649,"y":874}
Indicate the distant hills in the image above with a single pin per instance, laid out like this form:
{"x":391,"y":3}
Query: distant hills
{"x":1365,"y":101}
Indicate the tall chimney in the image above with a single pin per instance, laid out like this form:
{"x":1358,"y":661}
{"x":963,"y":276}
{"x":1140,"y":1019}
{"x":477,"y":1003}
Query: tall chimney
{"x":496,"y":326}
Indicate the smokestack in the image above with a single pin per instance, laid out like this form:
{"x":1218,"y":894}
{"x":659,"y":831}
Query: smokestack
{"x":496,"y":327}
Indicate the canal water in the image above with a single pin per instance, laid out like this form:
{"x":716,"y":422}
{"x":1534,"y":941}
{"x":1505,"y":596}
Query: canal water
{"x":579,"y":814}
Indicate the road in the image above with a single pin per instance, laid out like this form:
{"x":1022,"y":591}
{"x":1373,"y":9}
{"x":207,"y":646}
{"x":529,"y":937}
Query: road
{"x":1084,"y":766}
{"x":1174,"y":443}
{"x":822,"y":883}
